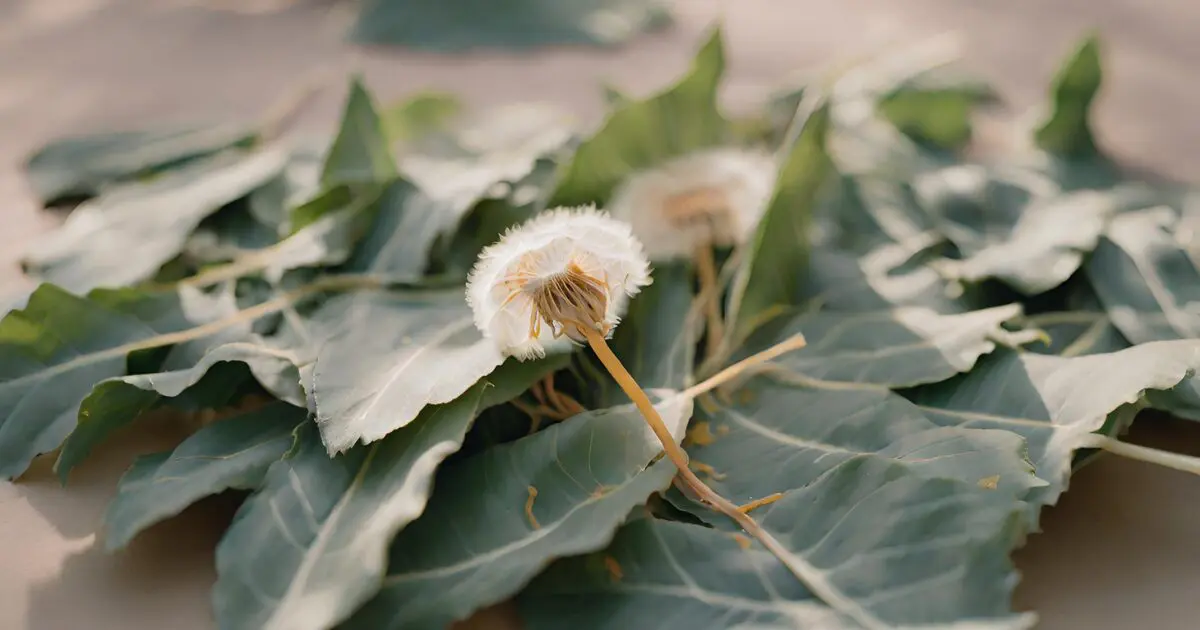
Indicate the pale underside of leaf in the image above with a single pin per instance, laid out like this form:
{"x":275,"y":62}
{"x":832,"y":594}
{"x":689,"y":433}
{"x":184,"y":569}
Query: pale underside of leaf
{"x":393,"y":355}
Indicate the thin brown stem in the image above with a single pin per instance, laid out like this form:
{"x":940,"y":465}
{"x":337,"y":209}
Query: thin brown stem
{"x":706,"y":272}
{"x":806,"y":573}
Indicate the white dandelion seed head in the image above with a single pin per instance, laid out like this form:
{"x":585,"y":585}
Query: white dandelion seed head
{"x":563,"y":266}
{"x":707,"y":198}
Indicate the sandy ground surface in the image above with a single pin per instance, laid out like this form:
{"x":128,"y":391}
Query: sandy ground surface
{"x":1119,"y":552}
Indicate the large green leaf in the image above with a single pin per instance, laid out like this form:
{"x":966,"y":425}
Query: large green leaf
{"x":1055,"y":403}
{"x":642,"y":133}
{"x":392,"y":355}
{"x":898,"y":549}
{"x":311,"y":545}
{"x":125,"y":235}
{"x":1067,"y":131}
{"x":360,"y":152}
{"x":116,"y":402}
{"x":1145,"y":279}
{"x":777,"y":437}
{"x":670,"y":575}
{"x":515,"y":24}
{"x":897,"y":348}
{"x":83,"y":166}
{"x":778,"y":253}
{"x":1046,"y":245}
{"x":229,"y":454}
{"x":476,"y":546}
{"x":60,"y":345}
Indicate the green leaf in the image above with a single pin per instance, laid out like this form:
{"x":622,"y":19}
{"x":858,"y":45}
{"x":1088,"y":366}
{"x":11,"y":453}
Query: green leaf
{"x":796,"y":433}
{"x":491,"y":218}
{"x":1055,"y":403}
{"x":300,"y":181}
{"x":889,"y":275}
{"x":1147,"y":283}
{"x":60,"y":345}
{"x":1145,"y":279}
{"x":778,"y":254}
{"x":117,"y":402}
{"x":1077,"y":333}
{"x":125,"y":235}
{"x":329,"y":201}
{"x":488,"y":157}
{"x":232,"y":232}
{"x":476,"y":545}
{"x":517,"y":24}
{"x":642,"y":133}
{"x":230,"y":454}
{"x":425,"y":113}
{"x":310,"y":546}
{"x":935,"y":111}
{"x":1046,"y":246}
{"x":901,"y":347}
{"x":901,"y":550}
{"x":1067,"y":132}
{"x":360,"y":152}
{"x":392,"y":355}
{"x":326,"y":240}
{"x":400,"y":239}
{"x":862,"y":212}
{"x":973,"y":206}
{"x":83,"y":166}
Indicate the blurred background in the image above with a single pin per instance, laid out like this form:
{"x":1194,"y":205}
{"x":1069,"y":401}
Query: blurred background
{"x":1118,"y":552}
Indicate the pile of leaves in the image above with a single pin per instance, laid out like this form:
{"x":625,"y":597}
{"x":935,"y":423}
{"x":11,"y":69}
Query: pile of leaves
{"x":976,"y":329}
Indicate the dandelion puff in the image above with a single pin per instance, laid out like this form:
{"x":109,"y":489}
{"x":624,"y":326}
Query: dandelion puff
{"x":688,"y":205}
{"x":566,"y":268}
{"x":566,"y":276}
{"x":704,"y":199}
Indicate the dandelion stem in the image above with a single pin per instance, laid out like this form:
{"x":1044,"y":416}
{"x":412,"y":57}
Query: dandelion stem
{"x":706,"y":271}
{"x":806,"y":573}
{"x":795,"y":342}
{"x":1167,"y":459}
